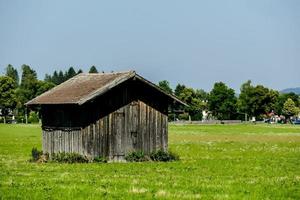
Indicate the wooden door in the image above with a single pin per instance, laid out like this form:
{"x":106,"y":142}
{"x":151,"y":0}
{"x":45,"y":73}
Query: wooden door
{"x":119,"y":132}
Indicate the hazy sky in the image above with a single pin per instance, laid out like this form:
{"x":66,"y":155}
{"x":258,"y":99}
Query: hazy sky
{"x":192,"y":42}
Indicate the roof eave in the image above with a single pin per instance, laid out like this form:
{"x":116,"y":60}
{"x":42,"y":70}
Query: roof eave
{"x":162,"y":91}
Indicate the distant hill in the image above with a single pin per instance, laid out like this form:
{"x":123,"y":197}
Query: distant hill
{"x":296,"y":90}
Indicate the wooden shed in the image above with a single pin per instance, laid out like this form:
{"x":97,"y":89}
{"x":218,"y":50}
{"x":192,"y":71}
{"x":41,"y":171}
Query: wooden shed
{"x":105,"y":114}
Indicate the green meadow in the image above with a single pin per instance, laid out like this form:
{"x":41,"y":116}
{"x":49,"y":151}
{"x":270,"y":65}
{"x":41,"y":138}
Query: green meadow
{"x":216,"y":162}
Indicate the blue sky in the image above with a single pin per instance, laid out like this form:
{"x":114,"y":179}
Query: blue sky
{"x":192,"y":42}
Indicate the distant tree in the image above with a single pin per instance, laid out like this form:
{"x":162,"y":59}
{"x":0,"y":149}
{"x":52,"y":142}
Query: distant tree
{"x":79,"y":71}
{"x":61,"y":77}
{"x":13,"y":73}
{"x":256,"y":101}
{"x":43,"y":86}
{"x":55,"y":78}
{"x":28,"y":76}
{"x":222,"y":102}
{"x":196,"y":99}
{"x":70,"y":73}
{"x":93,"y":69}
{"x":7,"y":95}
{"x":282,"y":99}
{"x":28,"y":88}
{"x":178,"y":90}
{"x":48,"y":78}
{"x":165,"y":86}
{"x":289,"y":108}
{"x":245,"y":96}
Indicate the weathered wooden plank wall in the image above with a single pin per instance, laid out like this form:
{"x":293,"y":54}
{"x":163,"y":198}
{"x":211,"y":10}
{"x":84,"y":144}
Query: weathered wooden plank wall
{"x":134,"y":127}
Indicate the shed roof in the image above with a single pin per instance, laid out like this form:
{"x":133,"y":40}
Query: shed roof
{"x":86,"y":86}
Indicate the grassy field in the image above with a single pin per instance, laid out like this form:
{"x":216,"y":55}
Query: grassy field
{"x":217,"y":162}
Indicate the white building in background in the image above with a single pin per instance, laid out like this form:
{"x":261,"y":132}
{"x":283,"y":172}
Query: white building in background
{"x":206,"y":115}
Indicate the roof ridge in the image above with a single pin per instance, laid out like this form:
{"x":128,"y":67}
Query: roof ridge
{"x":101,"y":73}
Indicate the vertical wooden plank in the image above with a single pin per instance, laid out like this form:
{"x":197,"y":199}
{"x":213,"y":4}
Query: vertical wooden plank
{"x":65,"y":148}
{"x":60,"y":141}
{"x":57,"y":141}
{"x":87,"y":140}
{"x":106,"y":136}
{"x":127,"y":137}
{"x":158,"y":130}
{"x":80,"y":141}
{"x":100,"y":132}
{"x":48,"y":141}
{"x":96,"y":144}
{"x":54,"y":141}
{"x":57,"y":133}
{"x":76,"y":142}
{"x":143,"y":127}
{"x":150,"y":135}
{"x":84,"y":141}
{"x":71,"y":141}
{"x":155,"y":129}
{"x":165,"y":132}
{"x":105,"y":144}
{"x":66,"y":141}
{"x":99,"y":137}
{"x":110,"y":136}
{"x":51,"y":142}
{"x":102,"y":136}
{"x":145,"y":140}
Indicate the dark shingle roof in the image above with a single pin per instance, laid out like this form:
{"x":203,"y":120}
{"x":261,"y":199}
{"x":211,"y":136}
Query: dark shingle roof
{"x":86,"y":86}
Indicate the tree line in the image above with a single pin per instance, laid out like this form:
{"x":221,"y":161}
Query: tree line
{"x":223,"y":103}
{"x":16,"y":90}
{"x":220,"y":103}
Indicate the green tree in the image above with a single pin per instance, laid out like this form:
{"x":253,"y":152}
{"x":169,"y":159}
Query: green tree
{"x":54,"y":79}
{"x":196,"y":99}
{"x":289,"y":108}
{"x":28,"y":88}
{"x":79,"y":71}
{"x":61,"y":77}
{"x":178,"y":90}
{"x":165,"y":86}
{"x":13,"y":73}
{"x":70,"y":73}
{"x":7,"y":95}
{"x":48,"y":78}
{"x":222,"y":102}
{"x":93,"y":69}
{"x":282,"y":99}
{"x":256,"y":101}
{"x":43,"y":86}
{"x":28,"y":75}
